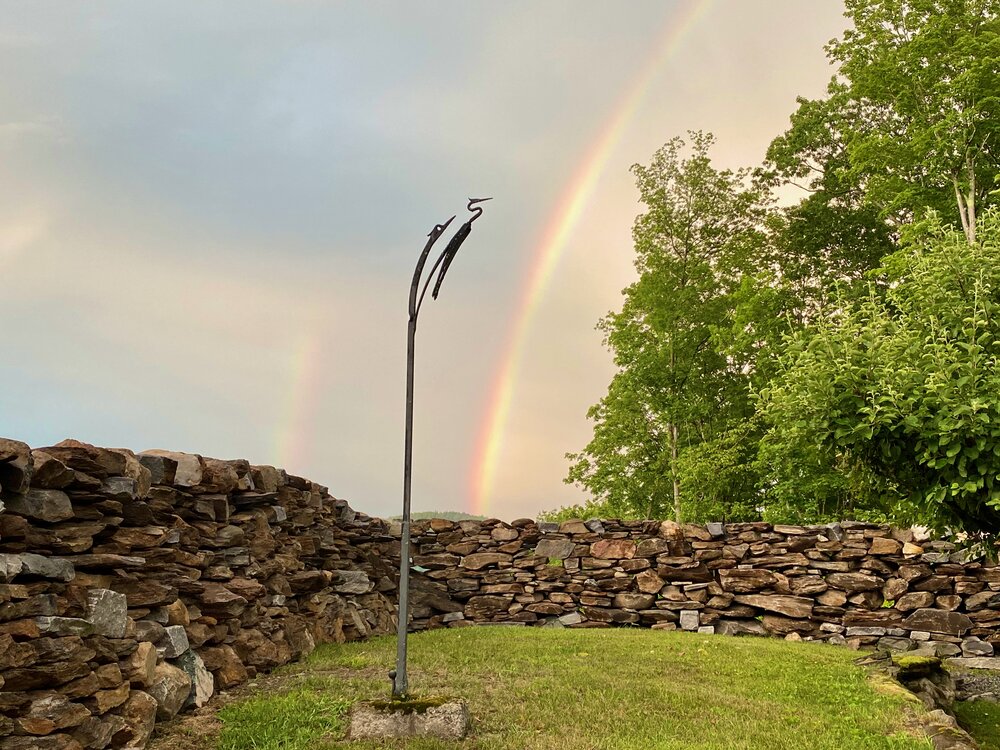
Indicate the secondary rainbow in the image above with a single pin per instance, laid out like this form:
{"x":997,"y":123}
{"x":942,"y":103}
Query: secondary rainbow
{"x":294,"y":432}
{"x":553,"y":243}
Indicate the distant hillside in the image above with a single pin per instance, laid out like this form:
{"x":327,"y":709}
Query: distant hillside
{"x":451,"y":515}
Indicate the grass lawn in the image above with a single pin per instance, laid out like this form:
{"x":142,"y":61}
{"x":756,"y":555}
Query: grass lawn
{"x":620,"y":689}
{"x":982,"y":720}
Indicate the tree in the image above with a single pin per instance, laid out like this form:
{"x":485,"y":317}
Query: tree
{"x":675,"y":390}
{"x":902,"y":389}
{"x":910,"y":123}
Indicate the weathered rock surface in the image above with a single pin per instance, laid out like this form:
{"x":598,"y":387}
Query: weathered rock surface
{"x":171,"y":687}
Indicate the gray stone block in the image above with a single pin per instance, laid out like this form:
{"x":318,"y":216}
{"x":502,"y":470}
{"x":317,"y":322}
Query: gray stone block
{"x":449,"y":721}
{"x":107,"y":611}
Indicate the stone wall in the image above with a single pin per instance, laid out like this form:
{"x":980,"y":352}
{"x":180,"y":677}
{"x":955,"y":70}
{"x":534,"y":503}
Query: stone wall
{"x":133,"y":586}
{"x":851,"y":583}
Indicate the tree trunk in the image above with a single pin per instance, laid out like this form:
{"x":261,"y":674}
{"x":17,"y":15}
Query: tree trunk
{"x":967,"y":201}
{"x":673,"y":471}
{"x":970,"y":201}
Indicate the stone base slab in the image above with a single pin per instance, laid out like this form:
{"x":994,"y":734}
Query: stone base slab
{"x":449,"y":721}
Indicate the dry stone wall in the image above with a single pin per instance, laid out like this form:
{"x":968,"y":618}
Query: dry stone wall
{"x":135,"y":586}
{"x":851,"y":583}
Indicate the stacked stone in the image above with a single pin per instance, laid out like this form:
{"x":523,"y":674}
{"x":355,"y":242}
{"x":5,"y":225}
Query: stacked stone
{"x":859,"y":584}
{"x":133,"y":586}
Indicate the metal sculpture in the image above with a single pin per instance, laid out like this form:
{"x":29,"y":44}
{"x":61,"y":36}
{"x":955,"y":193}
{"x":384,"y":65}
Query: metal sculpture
{"x":400,"y":685}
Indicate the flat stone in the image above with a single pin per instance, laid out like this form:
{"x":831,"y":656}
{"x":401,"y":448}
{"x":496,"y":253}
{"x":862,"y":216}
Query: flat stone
{"x":64,"y":626}
{"x":351,"y":582}
{"x":104,"y":700}
{"x":634,"y":601}
{"x":854,"y":632}
{"x":570,"y":526}
{"x":107,"y":611}
{"x":487,"y":606}
{"x":572,"y":618}
{"x":558,"y":549}
{"x":740,"y":627}
{"x":218,"y":600}
{"x":503,"y":534}
{"x":649,"y":582}
{"x":613,"y":549}
{"x":884,"y":546}
{"x":89,"y":459}
{"x":43,"y":505}
{"x":895,"y":644}
{"x":789,"y":530}
{"x":782,"y":626}
{"x":914,"y":600}
{"x":746,"y":581}
{"x":853,"y":582}
{"x":652,"y":548}
{"x":481,"y":560}
{"x":449,"y":721}
{"x":46,"y":567}
{"x":938,"y":621}
{"x":808,"y":585}
{"x":792,"y":606}
{"x":58,"y":741}
{"x":976,"y":647}
{"x":976,"y":662}
{"x":58,"y":710}
{"x":106,"y":560}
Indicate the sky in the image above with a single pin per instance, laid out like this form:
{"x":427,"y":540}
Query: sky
{"x":210,"y":215}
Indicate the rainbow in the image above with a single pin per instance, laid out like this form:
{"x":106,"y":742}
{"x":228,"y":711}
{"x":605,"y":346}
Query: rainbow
{"x":294,"y":432}
{"x":553,"y":243}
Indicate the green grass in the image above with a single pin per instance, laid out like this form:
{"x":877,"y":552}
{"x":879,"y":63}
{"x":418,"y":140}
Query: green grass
{"x":622,"y":689}
{"x":292,"y":720}
{"x":982,"y":721}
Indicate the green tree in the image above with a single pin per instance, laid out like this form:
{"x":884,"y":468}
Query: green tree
{"x":901,"y":390}
{"x":676,"y":391}
{"x":910,"y":123}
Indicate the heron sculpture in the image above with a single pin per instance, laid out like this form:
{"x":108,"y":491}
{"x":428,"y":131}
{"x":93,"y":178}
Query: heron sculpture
{"x":400,"y":686}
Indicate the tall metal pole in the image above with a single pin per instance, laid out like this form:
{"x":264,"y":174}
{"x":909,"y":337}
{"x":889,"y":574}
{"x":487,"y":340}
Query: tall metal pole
{"x":400,"y":683}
